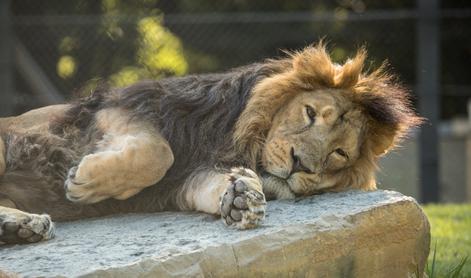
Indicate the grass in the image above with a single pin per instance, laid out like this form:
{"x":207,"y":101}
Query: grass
{"x":450,"y":252}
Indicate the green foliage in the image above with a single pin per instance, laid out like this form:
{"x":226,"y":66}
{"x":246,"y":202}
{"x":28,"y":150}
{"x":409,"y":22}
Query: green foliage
{"x":451,"y":236}
{"x":125,"y":41}
{"x":77,"y":41}
{"x":456,"y":271}
{"x":159,"y":53}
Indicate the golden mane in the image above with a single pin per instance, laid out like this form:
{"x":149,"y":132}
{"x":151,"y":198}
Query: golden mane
{"x":385,"y":103}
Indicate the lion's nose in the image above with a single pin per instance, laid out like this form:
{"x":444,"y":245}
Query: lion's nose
{"x":298,"y":165}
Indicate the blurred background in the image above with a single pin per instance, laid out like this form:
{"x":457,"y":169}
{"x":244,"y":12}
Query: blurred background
{"x":54,"y":50}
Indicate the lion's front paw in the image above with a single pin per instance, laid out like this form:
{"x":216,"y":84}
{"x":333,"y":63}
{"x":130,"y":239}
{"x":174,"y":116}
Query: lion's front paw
{"x":84,"y":184}
{"x":20,"y":227}
{"x":101,"y":176}
{"x":243,"y":204}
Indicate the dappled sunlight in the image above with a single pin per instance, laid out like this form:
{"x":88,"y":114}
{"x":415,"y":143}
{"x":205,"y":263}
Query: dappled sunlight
{"x":66,"y":66}
{"x":111,"y":19}
{"x":159,"y":54}
{"x":68,"y":44}
{"x":159,"y":49}
{"x":127,"y":76}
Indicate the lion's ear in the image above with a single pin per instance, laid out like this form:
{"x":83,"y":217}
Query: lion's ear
{"x":349,"y":73}
{"x":390,"y":113}
{"x":382,"y":139}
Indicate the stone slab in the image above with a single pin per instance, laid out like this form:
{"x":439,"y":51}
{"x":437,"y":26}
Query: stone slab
{"x":350,"y":234}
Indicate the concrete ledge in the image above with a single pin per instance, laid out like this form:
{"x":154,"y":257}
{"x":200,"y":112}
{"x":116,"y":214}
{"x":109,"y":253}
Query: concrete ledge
{"x":351,"y":234}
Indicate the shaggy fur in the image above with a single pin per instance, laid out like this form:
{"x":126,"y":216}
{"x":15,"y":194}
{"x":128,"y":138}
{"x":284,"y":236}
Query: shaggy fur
{"x":212,"y":120}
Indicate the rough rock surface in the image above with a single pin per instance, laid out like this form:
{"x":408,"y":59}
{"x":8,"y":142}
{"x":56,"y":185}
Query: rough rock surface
{"x":351,"y":234}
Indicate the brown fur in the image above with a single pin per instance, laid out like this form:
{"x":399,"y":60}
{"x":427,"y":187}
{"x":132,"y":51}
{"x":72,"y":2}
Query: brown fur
{"x":130,"y":157}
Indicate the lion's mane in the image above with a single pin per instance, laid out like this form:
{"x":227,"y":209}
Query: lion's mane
{"x":385,"y":102}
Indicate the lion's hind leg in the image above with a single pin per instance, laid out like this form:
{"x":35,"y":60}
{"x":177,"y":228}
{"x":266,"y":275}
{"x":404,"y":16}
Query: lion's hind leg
{"x":17,"y":226}
{"x":130,"y":157}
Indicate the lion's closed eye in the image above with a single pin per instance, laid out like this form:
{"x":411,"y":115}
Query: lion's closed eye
{"x":341,"y":119}
{"x":341,"y":153}
{"x":311,"y":114}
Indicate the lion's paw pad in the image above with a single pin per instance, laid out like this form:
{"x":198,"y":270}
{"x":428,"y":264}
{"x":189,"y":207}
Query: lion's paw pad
{"x":242,"y":206}
{"x":25,"y":228}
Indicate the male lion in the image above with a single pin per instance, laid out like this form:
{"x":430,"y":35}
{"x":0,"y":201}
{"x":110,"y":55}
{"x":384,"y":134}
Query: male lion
{"x":217,"y":143}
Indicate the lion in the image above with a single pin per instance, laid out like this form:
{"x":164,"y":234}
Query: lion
{"x":222,"y":143}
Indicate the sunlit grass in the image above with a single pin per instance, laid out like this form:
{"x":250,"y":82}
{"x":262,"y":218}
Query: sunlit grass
{"x":451,"y":232}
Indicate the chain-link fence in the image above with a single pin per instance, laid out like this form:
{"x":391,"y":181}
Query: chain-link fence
{"x":76,"y":43}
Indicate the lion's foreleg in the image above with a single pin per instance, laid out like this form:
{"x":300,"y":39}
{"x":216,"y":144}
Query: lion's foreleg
{"x":141,"y":162}
{"x":131,"y":157}
{"x":236,"y":195}
{"x":203,"y":191}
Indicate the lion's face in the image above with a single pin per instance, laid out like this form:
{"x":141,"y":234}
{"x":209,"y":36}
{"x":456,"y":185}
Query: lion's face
{"x":313,"y":139}
{"x":319,"y":126}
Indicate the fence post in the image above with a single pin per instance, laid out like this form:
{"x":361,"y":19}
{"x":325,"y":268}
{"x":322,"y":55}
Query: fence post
{"x":428,"y":78}
{"x":6,"y":63}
